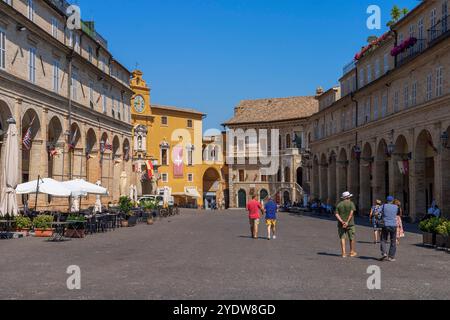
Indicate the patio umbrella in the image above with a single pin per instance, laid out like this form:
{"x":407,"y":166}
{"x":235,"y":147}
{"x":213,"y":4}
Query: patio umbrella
{"x":8,"y":205}
{"x":44,"y":186}
{"x":80,"y":187}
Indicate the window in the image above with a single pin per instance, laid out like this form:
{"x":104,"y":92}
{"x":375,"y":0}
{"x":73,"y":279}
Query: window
{"x":119,"y":106}
{"x":406,"y":96}
{"x":91,"y":94}
{"x":70,"y":38}
{"x":56,"y":76}
{"x":241,"y":175}
{"x":384,"y":105}
{"x":31,"y":10}
{"x":386,"y":63}
{"x":113,"y":107}
{"x":164,"y":121}
{"x":343,"y":120}
{"x":414,"y":93}
{"x":164,"y":157}
{"x":74,"y":83}
{"x":165,"y":177}
{"x":189,"y":124}
{"x":361,"y":78}
{"x":396,"y":101}
{"x":190,"y":177}
{"x":288,"y":141}
{"x":368,"y":111}
{"x":369,"y":74}
{"x":32,"y":65}
{"x":76,"y":46}
{"x":433,"y":22}
{"x":2,"y":49}
{"x":190,"y":156}
{"x":375,"y":107}
{"x":105,"y":102}
{"x":263,"y":178}
{"x":90,"y":54}
{"x":55,"y":27}
{"x":439,"y":81}
{"x":420,"y":33}
{"x":444,"y":20}
{"x":429,"y":90}
{"x":377,"y":68}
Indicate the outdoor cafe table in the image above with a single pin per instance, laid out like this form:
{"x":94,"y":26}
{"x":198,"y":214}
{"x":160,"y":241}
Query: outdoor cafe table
{"x":60,"y":230}
{"x":5,"y":228}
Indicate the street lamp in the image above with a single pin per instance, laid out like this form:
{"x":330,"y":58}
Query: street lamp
{"x":102,"y":146}
{"x":391,"y":149}
{"x":444,"y":140}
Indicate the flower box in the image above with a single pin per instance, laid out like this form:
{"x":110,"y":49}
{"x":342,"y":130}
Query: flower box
{"x":43,"y":233}
{"x":429,"y":239}
{"x":441,"y":241}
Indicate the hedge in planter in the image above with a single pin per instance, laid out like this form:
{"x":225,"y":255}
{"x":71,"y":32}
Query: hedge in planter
{"x":428,"y":227}
{"x":442,"y":234}
{"x":43,"y":226}
{"x":125,"y":206}
{"x":23,"y":224}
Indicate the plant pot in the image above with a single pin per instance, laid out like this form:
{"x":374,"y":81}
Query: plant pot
{"x":25,"y":232}
{"x":429,"y":239}
{"x":75,"y":234}
{"x":448,"y":243}
{"x":150,"y":221}
{"x":132,"y":221}
{"x":441,"y":241}
{"x":43,"y":233}
{"x":124,"y":223}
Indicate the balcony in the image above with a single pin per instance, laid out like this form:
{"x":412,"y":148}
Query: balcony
{"x":439,"y":31}
{"x":412,"y":52}
{"x":349,"y":67}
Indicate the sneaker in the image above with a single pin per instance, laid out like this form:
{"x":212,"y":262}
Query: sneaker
{"x":383,"y":258}
{"x":268,"y":238}
{"x":353,"y":254}
{"x":274,"y":237}
{"x":344,"y":256}
{"x":391,"y":259}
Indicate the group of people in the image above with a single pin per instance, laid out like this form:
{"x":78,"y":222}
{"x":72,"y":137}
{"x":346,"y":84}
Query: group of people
{"x":386,"y":220}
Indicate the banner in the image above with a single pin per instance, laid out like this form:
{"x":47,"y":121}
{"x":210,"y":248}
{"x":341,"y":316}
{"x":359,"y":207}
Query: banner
{"x":150,"y":169}
{"x":178,"y":162}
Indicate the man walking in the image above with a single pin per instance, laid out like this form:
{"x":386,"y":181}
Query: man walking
{"x":254,"y":209}
{"x":389,"y":230}
{"x":345,"y":211}
{"x":271,"y":209}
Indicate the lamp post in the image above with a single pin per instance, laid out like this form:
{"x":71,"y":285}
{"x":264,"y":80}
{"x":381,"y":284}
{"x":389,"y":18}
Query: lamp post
{"x":391,"y":149}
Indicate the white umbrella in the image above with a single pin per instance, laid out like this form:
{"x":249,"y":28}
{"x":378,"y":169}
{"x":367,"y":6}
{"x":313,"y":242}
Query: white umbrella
{"x":45,"y":186}
{"x":81,"y":187}
{"x":8,"y":205}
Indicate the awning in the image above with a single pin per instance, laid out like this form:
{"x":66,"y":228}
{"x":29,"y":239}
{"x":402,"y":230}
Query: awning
{"x":190,"y":192}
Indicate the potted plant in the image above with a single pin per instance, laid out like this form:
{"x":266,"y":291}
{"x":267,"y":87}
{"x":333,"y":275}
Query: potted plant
{"x":149,"y":207}
{"x":43,"y":226}
{"x":428,"y":227}
{"x":442,"y":234}
{"x":125,"y":206}
{"x":76,"y":228}
{"x":23,"y":224}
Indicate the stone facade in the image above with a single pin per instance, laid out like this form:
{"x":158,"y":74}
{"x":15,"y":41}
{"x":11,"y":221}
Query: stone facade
{"x":69,"y":124}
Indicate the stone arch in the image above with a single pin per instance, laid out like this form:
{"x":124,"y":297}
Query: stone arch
{"x":332,"y":178}
{"x":212,"y":187}
{"x":116,"y":146}
{"x":315,"y":177}
{"x":299,"y":176}
{"x":126,"y":149}
{"x":381,"y":188}
{"x":323,"y":177}
{"x":92,"y":174}
{"x":424,"y":166}
{"x":446,"y":176}
{"x":76,"y":153}
{"x":241,"y":199}
{"x":30,"y":155}
{"x":367,"y":160}
{"x":401,"y":170}
{"x":286,"y":197}
{"x":287,"y":174}
{"x":55,"y":140}
{"x":342,"y":175}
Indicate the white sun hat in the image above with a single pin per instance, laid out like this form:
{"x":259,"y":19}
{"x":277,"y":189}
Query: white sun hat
{"x":346,"y":195}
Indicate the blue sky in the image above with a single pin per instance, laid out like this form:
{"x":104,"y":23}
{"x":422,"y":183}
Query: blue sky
{"x":210,"y":54}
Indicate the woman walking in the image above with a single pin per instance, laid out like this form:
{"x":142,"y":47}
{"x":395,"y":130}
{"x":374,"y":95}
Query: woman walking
{"x":400,"y":231}
{"x":375,"y":214}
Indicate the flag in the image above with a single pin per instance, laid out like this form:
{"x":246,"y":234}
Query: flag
{"x":73,"y":140}
{"x":108,"y":146}
{"x":178,"y":161}
{"x":150,"y":169}
{"x":401,"y":167}
{"x":27,"y":139}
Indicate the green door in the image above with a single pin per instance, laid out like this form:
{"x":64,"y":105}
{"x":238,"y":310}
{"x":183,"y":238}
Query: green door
{"x":242,"y":199}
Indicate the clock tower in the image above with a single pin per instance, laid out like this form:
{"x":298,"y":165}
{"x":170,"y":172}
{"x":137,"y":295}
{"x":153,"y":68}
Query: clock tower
{"x":141,"y":118}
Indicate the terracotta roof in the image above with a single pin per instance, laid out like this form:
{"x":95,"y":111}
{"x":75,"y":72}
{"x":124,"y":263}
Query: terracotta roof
{"x":273,"y":110}
{"x":170,"y":108}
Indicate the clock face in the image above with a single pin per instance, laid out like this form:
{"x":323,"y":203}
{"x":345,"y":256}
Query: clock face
{"x":139,"y":104}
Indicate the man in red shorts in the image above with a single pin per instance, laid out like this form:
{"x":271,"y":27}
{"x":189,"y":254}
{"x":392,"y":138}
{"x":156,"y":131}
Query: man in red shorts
{"x":254,"y":209}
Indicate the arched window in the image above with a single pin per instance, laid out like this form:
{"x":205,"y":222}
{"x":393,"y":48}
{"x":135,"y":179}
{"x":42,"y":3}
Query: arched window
{"x":288,"y":141}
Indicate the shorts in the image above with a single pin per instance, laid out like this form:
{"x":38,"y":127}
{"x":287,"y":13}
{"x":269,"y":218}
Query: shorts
{"x":376,"y":225}
{"x":254,"y":222}
{"x":348,"y":233}
{"x":271,"y":222}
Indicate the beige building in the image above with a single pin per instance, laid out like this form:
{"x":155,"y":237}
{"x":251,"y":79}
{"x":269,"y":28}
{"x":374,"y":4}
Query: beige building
{"x":386,"y":133}
{"x":383,"y":131}
{"x":266,"y":147}
{"x":70,"y":91}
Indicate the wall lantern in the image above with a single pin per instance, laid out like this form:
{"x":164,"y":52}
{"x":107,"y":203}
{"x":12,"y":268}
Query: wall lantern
{"x":444,"y":140}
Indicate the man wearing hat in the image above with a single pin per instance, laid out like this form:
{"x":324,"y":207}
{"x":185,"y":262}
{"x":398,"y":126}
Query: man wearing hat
{"x":389,"y":230}
{"x":345,"y":211}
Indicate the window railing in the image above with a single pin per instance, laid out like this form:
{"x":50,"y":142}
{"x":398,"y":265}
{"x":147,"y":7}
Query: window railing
{"x":349,"y":67}
{"x":439,"y":31}
{"x":412,"y":52}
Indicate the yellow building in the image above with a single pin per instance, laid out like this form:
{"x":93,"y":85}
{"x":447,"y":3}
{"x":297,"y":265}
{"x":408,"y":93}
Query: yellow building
{"x":171,"y":139}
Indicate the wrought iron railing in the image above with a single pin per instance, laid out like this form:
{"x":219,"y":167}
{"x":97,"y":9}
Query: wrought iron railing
{"x":412,"y":52}
{"x":439,"y":31}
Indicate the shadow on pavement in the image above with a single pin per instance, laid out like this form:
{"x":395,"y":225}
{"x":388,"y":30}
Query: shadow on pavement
{"x":328,"y":254}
